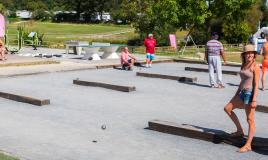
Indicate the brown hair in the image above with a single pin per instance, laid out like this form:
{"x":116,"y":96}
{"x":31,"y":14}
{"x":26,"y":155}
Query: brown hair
{"x":244,"y":59}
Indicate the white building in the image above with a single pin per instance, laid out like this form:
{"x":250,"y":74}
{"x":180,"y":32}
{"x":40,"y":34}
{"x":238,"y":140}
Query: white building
{"x":24,"y":14}
{"x":259,"y":38}
{"x":95,"y":16}
{"x":105,"y":17}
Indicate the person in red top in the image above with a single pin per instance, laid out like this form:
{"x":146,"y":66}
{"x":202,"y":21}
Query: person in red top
{"x":150,"y":44}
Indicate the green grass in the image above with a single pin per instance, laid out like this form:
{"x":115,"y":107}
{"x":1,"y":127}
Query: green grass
{"x":5,"y":157}
{"x":66,"y":28}
{"x":236,"y":58}
{"x":232,"y":53}
{"x":230,"y":56}
{"x":58,"y":33}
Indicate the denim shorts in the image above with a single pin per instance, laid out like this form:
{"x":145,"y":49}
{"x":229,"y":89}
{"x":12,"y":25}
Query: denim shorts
{"x":150,"y":56}
{"x":246,"y":96}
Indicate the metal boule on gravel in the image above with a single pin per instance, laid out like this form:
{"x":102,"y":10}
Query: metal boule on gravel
{"x":103,"y":127}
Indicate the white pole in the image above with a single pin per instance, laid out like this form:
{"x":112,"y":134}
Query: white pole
{"x":185,"y":44}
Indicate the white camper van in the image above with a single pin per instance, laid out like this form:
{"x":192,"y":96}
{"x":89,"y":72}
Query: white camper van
{"x":259,"y":38}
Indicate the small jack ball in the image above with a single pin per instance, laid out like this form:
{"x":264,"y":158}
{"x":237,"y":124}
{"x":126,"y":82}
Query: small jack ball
{"x":103,"y":127}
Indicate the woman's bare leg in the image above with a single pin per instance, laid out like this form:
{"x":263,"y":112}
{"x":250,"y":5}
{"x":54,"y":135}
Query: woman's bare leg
{"x":233,"y":104}
{"x":251,"y":128}
{"x":263,"y":79}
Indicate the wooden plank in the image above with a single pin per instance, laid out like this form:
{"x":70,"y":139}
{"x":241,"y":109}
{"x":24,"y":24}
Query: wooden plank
{"x":180,"y":130}
{"x":262,"y":108}
{"x":136,"y":63}
{"x":18,"y":64}
{"x":25,"y":99}
{"x":24,"y":74}
{"x":162,"y":76}
{"x":202,"y":62}
{"x":162,"y":61}
{"x":105,"y":85}
{"x":211,"y":135}
{"x":107,"y":66}
{"x":206,"y":70}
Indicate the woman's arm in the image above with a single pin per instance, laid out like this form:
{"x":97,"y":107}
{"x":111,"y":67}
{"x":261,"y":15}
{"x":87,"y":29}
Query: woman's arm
{"x":255,"y":85}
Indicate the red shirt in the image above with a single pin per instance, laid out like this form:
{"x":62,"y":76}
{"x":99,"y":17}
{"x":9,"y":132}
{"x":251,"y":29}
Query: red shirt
{"x":150,"y":45}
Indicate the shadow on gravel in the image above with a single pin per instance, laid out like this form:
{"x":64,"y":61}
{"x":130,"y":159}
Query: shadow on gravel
{"x":138,"y":64}
{"x":259,"y":144}
{"x":231,"y":84}
{"x":197,"y":84}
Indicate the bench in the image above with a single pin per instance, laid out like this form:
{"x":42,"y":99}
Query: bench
{"x":109,"y":52}
{"x":76,"y":45}
{"x":100,"y":44}
{"x":91,"y":53}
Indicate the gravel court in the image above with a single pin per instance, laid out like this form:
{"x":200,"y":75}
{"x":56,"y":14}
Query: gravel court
{"x":66,"y":128}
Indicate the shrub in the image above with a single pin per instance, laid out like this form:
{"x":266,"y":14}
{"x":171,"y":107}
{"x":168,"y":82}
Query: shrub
{"x":236,"y":32}
{"x":135,"y":42}
{"x":42,"y":15}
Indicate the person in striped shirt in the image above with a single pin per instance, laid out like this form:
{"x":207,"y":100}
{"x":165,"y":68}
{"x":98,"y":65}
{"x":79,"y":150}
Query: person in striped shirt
{"x":214,"y":50}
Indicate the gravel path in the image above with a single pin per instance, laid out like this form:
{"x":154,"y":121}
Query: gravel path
{"x":70,"y":128}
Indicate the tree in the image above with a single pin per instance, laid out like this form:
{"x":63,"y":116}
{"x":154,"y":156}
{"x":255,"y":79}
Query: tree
{"x":255,"y":15}
{"x":7,"y":4}
{"x":192,"y":13}
{"x":32,"y":5}
{"x":50,"y":4}
{"x":164,"y":16}
{"x":88,"y":7}
{"x":72,"y":5}
{"x":102,"y":5}
{"x":236,"y":32}
{"x":230,"y":18}
{"x":2,"y":9}
{"x":229,"y":12}
{"x":264,"y":10}
{"x":125,"y":11}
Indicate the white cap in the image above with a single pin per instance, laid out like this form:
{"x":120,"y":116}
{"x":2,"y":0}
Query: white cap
{"x":150,"y":35}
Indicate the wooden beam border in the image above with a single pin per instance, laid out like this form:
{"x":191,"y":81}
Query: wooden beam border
{"x":24,"y":99}
{"x":205,"y":134}
{"x":105,"y":85}
{"x":206,"y":70}
{"x":162,"y":76}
